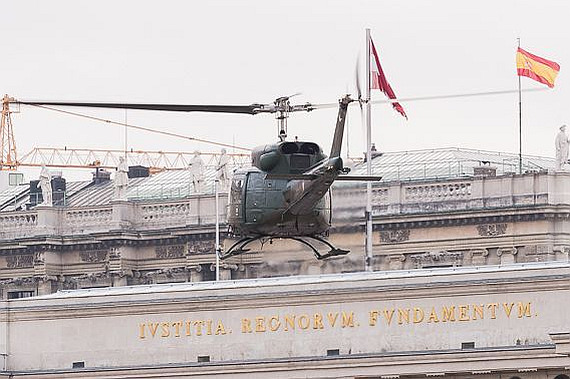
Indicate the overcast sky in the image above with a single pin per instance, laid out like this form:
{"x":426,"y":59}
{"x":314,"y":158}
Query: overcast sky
{"x":242,"y":52}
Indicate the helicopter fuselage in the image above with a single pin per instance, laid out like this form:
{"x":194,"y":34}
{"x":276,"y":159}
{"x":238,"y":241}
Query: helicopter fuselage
{"x":258,"y":206}
{"x":264,"y":201}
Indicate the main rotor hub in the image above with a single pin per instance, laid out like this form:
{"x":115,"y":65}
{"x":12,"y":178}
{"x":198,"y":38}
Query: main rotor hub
{"x":283,"y":108}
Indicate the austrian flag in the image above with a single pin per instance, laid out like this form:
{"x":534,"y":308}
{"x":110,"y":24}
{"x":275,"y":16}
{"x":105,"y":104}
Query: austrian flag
{"x":378,"y":80}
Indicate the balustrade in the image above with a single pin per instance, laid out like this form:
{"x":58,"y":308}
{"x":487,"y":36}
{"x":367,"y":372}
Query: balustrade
{"x":18,"y":224}
{"x":438,"y":192}
{"x":87,"y":218}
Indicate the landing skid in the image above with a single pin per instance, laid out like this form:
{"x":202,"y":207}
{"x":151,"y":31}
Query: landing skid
{"x":239,"y":247}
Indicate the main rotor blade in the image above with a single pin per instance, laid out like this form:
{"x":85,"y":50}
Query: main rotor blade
{"x":454,"y":96}
{"x":436,"y":97}
{"x":244,"y":109}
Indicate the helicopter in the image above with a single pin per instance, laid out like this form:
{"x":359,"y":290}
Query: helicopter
{"x":286,"y":193}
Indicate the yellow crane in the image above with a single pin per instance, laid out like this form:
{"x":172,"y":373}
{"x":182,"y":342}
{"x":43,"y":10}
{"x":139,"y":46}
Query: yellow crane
{"x":100,"y":158}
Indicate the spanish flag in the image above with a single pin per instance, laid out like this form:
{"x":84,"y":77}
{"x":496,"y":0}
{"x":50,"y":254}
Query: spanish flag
{"x":537,"y":68}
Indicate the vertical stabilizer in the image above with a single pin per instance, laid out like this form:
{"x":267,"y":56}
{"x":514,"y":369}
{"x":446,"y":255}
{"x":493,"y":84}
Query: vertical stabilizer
{"x":339,"y":129}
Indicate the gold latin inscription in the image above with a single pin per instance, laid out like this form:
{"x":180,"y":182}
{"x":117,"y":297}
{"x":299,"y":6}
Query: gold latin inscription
{"x":297,"y":323}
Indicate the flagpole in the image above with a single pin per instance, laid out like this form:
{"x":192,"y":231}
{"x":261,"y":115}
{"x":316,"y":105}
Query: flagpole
{"x":368,"y":213}
{"x":520,"y":120}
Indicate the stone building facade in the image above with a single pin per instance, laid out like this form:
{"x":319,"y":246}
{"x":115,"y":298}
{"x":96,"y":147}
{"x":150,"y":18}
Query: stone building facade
{"x":471,"y":221}
{"x":488,"y":322}
{"x":470,"y":276}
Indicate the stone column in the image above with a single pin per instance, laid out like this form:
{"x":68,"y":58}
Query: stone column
{"x":46,"y":285}
{"x":507,"y":255}
{"x":195,"y":273}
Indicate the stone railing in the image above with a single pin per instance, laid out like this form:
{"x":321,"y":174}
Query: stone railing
{"x":18,"y":224}
{"x":195,"y":210}
{"x":437,"y":192}
{"x":399,"y":198}
{"x":390,"y":199}
{"x":91,"y":218}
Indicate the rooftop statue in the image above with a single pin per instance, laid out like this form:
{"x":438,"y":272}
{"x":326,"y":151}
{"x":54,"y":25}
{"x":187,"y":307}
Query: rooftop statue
{"x":561,"y":143}
{"x":196,"y":169}
{"x":222,"y":171}
{"x":45,"y":185}
{"x":121,"y":180}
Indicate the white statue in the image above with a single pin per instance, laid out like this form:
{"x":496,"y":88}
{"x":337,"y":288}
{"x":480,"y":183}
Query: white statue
{"x":45,"y":185}
{"x":561,"y":143}
{"x":121,"y":180}
{"x":197,"y":172}
{"x":222,"y":171}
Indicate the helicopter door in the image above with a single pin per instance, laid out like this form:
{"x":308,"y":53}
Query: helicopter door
{"x":255,"y":197}
{"x":237,"y":193}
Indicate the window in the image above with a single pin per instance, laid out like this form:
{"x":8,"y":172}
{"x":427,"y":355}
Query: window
{"x":20,"y":294}
{"x":207,"y":274}
{"x":15,"y":179}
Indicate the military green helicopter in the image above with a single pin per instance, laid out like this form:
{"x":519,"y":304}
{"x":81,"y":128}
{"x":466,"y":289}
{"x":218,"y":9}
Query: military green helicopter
{"x":286,"y":193}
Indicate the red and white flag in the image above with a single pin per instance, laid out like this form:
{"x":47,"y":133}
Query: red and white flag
{"x":378,"y":79}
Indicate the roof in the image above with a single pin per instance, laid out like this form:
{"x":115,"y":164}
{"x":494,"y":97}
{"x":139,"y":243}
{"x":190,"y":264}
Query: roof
{"x":431,"y":164}
{"x":446,"y":163}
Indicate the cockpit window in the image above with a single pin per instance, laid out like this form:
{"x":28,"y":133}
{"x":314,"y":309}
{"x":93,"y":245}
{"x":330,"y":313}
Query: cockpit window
{"x":309,"y":148}
{"x":289,"y":148}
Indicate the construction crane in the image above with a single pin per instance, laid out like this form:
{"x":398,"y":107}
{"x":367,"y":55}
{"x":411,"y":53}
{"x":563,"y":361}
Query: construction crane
{"x":8,"y":155}
{"x":100,"y":158}
{"x":109,"y":159}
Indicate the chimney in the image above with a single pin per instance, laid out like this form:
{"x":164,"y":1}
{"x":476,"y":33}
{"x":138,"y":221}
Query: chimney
{"x":484,"y":169}
{"x":138,"y":172}
{"x":101,"y":175}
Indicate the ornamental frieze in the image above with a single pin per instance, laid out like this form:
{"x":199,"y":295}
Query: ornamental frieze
{"x":20,"y":261}
{"x":491,"y":230}
{"x":394,"y":236}
{"x":437,"y":259}
{"x":169,"y":252}
{"x":201,"y":247}
{"x":93,"y":256}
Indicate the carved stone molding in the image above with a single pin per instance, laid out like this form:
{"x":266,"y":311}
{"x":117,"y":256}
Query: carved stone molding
{"x":18,"y":281}
{"x":437,"y":258}
{"x":170,"y":252}
{"x":562,"y":252}
{"x":396,"y":261}
{"x":20,"y":261}
{"x":478,"y":256}
{"x":93,"y":256}
{"x":115,"y":264}
{"x":491,"y":230}
{"x":394,"y":236}
{"x":201,"y":247}
{"x":507,"y":251}
{"x":537,"y":253}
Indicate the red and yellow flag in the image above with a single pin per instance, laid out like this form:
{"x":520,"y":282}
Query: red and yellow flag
{"x":537,"y":68}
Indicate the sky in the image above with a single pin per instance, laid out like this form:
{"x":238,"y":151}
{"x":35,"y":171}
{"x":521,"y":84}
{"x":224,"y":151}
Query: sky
{"x":243,"y":52}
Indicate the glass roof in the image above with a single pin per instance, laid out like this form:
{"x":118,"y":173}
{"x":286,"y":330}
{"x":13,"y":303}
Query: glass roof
{"x":447,"y":163}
